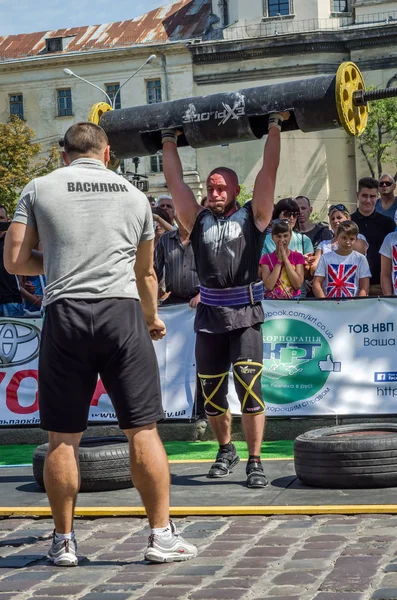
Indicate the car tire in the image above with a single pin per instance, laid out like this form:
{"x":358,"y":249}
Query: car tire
{"x":104,"y":464}
{"x":348,"y":456}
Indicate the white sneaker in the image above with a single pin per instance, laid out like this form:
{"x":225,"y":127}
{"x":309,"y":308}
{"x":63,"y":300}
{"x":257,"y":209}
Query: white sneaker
{"x":161,"y":550}
{"x":63,"y":553}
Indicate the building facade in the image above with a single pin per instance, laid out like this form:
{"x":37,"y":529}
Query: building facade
{"x":204,"y":47}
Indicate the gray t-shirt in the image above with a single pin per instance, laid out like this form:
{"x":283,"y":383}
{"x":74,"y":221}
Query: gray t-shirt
{"x":89,"y":221}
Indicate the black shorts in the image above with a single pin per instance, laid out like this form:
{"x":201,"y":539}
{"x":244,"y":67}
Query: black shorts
{"x":215,"y":353}
{"x":84,"y":338}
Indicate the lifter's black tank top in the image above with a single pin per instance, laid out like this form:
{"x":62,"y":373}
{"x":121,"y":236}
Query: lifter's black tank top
{"x":227,"y":252}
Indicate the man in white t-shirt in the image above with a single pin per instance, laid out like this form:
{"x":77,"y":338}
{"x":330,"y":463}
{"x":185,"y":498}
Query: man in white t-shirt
{"x":343,"y":273}
{"x":388,"y":268}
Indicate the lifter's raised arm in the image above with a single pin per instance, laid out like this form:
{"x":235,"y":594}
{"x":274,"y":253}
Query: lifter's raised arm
{"x":183,"y":198}
{"x":265,"y":182}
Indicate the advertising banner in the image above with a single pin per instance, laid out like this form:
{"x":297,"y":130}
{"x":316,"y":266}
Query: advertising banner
{"x":19,"y":349}
{"x":329,"y":357}
{"x":319,"y":358}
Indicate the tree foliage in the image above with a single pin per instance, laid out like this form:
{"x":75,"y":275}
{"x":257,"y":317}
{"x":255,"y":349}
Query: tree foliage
{"x":377,"y":143}
{"x":21,"y":159}
{"x":244,"y":195}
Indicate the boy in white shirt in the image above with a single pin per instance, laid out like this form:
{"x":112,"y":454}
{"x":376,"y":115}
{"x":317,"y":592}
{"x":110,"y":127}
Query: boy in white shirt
{"x":388,"y":268}
{"x":343,"y":273}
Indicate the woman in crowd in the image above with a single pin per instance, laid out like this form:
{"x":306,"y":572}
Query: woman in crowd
{"x":161,"y":222}
{"x":282,"y":270}
{"x":337,"y":213}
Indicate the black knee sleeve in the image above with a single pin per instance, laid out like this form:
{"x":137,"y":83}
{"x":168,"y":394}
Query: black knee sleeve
{"x":214,"y":389}
{"x":247,"y":379}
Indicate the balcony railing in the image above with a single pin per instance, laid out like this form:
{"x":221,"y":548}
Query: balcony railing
{"x":284,"y":25}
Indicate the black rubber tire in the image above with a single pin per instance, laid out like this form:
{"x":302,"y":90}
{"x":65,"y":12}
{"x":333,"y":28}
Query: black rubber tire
{"x":348,"y":457}
{"x":104,"y":464}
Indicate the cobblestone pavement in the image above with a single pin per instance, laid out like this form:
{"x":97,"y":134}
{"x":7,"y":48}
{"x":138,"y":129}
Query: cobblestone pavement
{"x":277,"y":558}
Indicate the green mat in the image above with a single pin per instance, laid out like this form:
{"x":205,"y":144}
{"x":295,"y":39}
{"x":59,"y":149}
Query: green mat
{"x":22,"y":454}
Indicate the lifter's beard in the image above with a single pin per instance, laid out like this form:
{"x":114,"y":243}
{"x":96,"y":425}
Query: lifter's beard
{"x":220,"y":211}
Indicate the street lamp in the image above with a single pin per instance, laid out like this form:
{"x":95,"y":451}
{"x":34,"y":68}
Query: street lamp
{"x":69,"y":72}
{"x":111,"y":102}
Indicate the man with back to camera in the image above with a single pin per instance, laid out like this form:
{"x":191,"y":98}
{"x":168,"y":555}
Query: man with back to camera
{"x":227,"y":244}
{"x":374,"y":226}
{"x":98,"y":262}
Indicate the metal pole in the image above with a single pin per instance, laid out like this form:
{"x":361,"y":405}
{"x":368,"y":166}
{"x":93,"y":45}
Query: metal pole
{"x":69,"y":72}
{"x":362,"y":97}
{"x":130,"y":77}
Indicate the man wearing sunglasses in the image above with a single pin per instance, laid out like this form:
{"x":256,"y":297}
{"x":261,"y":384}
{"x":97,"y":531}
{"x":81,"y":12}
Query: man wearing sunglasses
{"x":386,"y":204}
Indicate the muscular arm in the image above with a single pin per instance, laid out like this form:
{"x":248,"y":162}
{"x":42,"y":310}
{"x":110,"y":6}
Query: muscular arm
{"x":385,"y":275}
{"x":146,"y":281}
{"x":185,"y":203}
{"x":19,"y":256}
{"x":265,"y":182}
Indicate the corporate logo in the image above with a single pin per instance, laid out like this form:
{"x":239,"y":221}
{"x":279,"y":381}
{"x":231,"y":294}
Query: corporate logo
{"x":19,"y":343}
{"x":222,"y":116}
{"x":297,"y":361}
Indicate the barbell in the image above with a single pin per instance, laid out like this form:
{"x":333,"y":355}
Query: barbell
{"x":315,"y":104}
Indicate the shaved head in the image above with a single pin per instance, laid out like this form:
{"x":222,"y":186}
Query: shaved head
{"x":225,"y":172}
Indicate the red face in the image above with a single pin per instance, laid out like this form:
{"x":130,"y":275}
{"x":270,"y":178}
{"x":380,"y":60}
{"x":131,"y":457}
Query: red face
{"x":222,"y":191}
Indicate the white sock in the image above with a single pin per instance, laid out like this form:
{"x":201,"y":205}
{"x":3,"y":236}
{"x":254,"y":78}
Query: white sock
{"x":163,"y":532}
{"x":59,"y":537}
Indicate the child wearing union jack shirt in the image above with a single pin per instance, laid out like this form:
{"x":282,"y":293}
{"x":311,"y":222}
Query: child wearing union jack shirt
{"x":345,"y":272}
{"x":388,"y":269}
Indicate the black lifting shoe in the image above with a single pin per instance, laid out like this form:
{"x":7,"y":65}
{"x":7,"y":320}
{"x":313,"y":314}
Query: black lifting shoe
{"x":224,"y":463}
{"x":256,"y":477}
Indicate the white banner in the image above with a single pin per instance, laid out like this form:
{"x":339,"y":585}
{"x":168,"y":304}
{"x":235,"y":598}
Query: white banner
{"x":320,"y":358}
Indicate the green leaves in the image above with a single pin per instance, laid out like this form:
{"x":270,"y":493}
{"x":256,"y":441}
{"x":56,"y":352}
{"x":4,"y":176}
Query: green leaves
{"x":21,"y":159}
{"x":377,"y":143}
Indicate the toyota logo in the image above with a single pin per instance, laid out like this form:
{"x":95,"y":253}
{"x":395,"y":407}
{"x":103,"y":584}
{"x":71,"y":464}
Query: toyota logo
{"x":19,"y":343}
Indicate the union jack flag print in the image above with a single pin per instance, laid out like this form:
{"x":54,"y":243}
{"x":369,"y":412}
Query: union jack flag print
{"x":341,"y":281}
{"x":394,"y":268}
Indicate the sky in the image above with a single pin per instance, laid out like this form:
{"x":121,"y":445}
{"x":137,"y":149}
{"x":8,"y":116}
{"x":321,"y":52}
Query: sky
{"x":26,"y":16}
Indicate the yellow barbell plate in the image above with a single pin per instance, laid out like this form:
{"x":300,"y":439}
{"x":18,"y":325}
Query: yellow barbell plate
{"x":349,"y":80}
{"x":95,"y":115}
{"x":97,"y":111}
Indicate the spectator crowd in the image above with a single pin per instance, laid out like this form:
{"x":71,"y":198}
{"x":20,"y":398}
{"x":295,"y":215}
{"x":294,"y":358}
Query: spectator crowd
{"x":351,"y":255}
